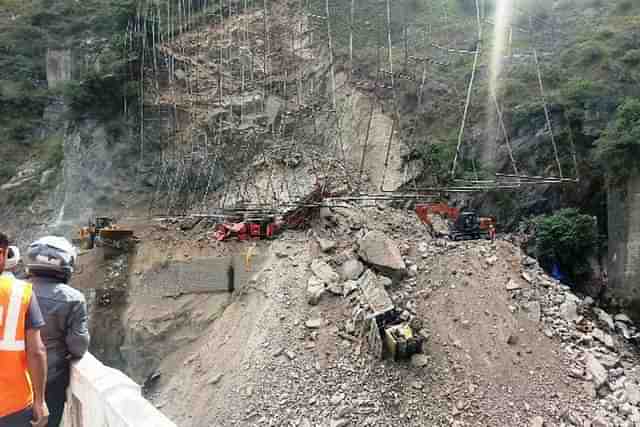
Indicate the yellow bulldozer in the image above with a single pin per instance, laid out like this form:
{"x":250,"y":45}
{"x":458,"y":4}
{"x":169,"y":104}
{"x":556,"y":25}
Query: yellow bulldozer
{"x":102,"y":231}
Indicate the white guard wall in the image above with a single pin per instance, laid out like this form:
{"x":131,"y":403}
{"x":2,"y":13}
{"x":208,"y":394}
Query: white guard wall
{"x":99,"y":396}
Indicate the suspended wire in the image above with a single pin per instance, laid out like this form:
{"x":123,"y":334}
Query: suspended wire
{"x":396,"y":119}
{"x":505,"y":134}
{"x":469,"y":92}
{"x":573,"y":147}
{"x":544,"y":103}
{"x":191,"y":176}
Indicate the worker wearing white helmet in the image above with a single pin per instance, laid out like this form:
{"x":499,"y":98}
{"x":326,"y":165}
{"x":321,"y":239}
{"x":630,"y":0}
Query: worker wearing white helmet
{"x":12,"y":261}
{"x":50,"y":263}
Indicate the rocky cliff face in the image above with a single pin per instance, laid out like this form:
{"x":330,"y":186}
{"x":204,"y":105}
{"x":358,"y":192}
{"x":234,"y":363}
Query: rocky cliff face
{"x":624,"y":243}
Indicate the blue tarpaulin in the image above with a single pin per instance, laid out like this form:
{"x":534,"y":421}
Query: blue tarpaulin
{"x":556,"y":273}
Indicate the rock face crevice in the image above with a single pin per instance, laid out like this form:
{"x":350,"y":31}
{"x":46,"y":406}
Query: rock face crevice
{"x":624,"y":243}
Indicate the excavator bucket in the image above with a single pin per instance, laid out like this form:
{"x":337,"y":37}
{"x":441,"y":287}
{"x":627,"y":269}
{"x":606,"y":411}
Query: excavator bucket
{"x":115,"y":234}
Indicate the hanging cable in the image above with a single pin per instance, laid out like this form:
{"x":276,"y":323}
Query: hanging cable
{"x":544,"y":104}
{"x":469,"y":92}
{"x":506,"y":134}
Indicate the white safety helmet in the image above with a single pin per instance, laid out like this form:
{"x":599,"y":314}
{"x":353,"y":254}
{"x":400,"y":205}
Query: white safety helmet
{"x":13,"y":258}
{"x":51,"y":256}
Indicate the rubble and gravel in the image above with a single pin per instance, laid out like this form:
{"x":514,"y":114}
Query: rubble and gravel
{"x":506,"y":345}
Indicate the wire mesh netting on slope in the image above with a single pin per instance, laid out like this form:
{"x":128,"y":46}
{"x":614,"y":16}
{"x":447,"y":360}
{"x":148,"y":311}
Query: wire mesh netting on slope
{"x":250,"y":99}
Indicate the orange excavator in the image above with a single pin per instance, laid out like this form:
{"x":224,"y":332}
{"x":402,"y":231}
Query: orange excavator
{"x":463,"y":224}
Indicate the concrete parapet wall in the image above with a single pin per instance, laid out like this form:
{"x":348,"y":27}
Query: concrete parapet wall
{"x":100,"y":396}
{"x":204,"y":275}
{"x":624,"y":243}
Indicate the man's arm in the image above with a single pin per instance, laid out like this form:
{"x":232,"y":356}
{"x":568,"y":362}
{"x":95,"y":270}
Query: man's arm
{"x":77,"y":335}
{"x":36,"y":361}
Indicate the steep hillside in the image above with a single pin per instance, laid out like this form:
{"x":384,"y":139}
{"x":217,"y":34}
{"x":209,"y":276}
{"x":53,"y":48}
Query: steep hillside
{"x":124,"y":83}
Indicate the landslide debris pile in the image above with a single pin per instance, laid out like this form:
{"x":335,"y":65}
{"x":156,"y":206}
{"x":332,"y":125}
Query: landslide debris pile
{"x":600,"y":347}
{"x":593,"y":350}
{"x":505,"y":344}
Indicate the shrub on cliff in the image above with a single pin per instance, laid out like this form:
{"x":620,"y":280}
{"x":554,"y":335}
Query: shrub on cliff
{"x":567,"y":238}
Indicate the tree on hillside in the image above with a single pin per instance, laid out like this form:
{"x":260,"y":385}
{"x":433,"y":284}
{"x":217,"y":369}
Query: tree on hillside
{"x":618,"y":149}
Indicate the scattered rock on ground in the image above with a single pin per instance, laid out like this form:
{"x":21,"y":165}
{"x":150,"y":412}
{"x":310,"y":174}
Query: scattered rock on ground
{"x":605,"y":318}
{"x":623,"y":329}
{"x":569,"y":311}
{"x":632,"y":392}
{"x":599,"y":422}
{"x":313,"y":323}
{"x":324,"y":272}
{"x":326,"y":245}
{"x":315,"y":290}
{"x":533,"y":311}
{"x":512,"y":285}
{"x":603,"y":337}
{"x":419,"y":360}
{"x":609,"y":361}
{"x":215,"y":379}
{"x":351,"y":270}
{"x":349,"y":286}
{"x":337,"y":398}
{"x":597,"y":371}
{"x":537,"y":422}
{"x":622,"y":318}
{"x":336,"y":289}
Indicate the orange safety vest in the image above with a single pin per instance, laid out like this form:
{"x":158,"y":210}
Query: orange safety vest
{"x":16,"y":393}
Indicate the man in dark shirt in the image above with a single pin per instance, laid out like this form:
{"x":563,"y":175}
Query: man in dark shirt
{"x":50,"y":262}
{"x":22,"y":353}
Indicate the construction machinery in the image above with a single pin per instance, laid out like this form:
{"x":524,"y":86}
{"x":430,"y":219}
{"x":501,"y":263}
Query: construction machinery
{"x":462,"y":224}
{"x":388,"y":333}
{"x":103,"y":231}
{"x":465,"y":227}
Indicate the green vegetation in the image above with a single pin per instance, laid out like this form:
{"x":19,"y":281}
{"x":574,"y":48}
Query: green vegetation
{"x":618,"y":150}
{"x":632,"y":57}
{"x":567,"y":238}
{"x":94,"y":31}
{"x":438,"y":155}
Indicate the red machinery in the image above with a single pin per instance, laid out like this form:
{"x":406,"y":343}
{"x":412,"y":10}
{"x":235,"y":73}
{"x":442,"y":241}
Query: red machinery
{"x":441,"y":209}
{"x":247,"y":230}
{"x":485,"y":225}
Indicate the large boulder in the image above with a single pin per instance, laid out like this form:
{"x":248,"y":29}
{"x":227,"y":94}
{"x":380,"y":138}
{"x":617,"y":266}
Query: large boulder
{"x":382,"y":253}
